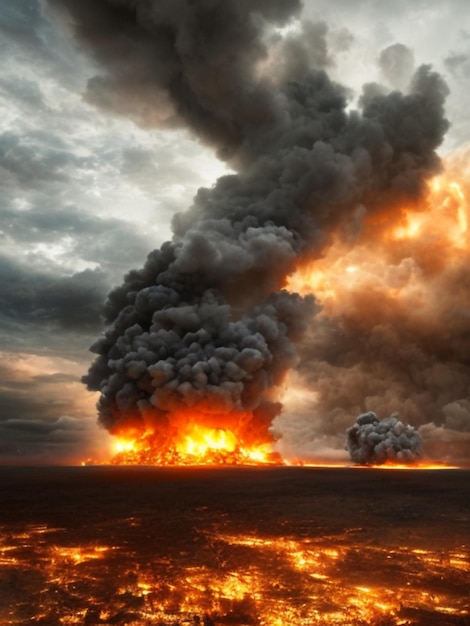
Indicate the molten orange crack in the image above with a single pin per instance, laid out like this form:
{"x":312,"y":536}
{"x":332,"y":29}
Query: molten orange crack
{"x":244,"y":578}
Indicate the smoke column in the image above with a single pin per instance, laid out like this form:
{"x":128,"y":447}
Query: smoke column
{"x":207,"y":327}
{"x":374,"y":442}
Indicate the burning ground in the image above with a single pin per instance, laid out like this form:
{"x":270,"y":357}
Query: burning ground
{"x":336,"y":253}
{"x":240,"y":546}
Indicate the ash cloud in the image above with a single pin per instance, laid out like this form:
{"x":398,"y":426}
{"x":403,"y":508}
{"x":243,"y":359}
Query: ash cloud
{"x":375,"y":442}
{"x":207,"y":318}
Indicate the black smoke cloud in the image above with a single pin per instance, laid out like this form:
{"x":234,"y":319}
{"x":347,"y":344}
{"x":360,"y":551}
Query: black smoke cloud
{"x":180,"y":62}
{"x":206,"y":317}
{"x":375,"y":442}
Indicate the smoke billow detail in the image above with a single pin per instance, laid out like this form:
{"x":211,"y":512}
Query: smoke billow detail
{"x":206,"y":328}
{"x":376,"y":442}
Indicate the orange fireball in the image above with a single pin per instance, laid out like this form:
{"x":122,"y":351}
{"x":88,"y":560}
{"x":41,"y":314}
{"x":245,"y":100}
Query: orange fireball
{"x":193,"y":444}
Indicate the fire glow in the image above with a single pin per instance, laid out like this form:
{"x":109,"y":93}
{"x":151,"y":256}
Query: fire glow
{"x":438,"y":226}
{"x":195,"y":445}
{"x":395,"y":296}
{"x":269,"y":581}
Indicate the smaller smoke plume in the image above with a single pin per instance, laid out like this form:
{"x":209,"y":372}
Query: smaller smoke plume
{"x":374,"y":442}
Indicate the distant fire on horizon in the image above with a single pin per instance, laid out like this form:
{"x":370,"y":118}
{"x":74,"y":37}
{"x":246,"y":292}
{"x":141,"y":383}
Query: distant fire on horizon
{"x":337,"y":250}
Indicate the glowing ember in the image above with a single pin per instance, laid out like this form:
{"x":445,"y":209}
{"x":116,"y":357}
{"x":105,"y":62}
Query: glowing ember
{"x":263,"y":578}
{"x":212,"y":547}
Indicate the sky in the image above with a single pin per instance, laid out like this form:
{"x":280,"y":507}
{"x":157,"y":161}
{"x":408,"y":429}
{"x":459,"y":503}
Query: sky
{"x":88,"y":192}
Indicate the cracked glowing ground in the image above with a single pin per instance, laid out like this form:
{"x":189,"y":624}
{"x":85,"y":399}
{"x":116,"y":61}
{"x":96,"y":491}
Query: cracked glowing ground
{"x":242,"y":546}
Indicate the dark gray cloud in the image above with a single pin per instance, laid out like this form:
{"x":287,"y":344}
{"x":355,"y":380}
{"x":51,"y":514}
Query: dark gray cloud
{"x":42,"y":419}
{"x":432,"y":30}
{"x":72,"y":302}
{"x":21,"y":407}
{"x":21,"y":20}
{"x":31,"y":440}
{"x":39,"y":157}
{"x":69,"y":301}
{"x":30,"y":428}
{"x":45,"y":294}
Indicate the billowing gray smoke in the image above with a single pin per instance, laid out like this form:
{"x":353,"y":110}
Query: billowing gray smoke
{"x":375,"y":442}
{"x":205,"y":325}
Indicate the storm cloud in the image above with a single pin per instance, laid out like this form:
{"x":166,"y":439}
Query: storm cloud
{"x":43,"y":419}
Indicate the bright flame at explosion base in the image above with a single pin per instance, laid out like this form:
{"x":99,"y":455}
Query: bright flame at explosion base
{"x":196,"y":445}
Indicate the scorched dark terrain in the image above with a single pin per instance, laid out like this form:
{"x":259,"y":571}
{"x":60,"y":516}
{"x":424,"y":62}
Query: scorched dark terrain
{"x":239,"y":546}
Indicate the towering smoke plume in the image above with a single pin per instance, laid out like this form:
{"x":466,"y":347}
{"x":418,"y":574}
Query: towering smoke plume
{"x":206,"y":327}
{"x":374,"y":442}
